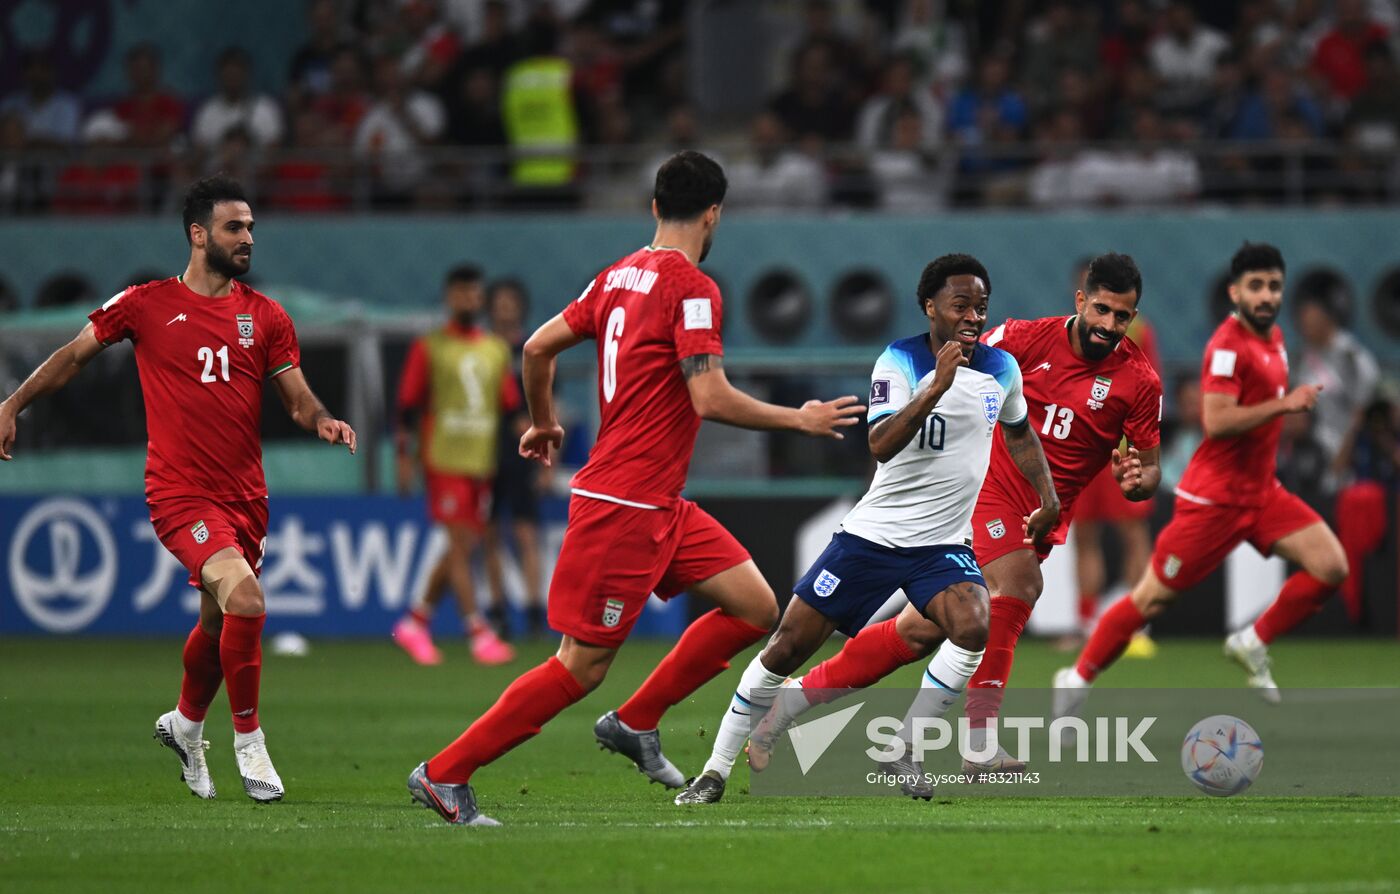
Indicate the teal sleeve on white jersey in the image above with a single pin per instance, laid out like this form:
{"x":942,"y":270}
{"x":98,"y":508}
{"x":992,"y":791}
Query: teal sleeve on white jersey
{"x":1013,"y":404}
{"x":892,"y":383}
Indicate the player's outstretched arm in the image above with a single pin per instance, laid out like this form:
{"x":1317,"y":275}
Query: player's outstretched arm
{"x":1139,"y":473}
{"x":1029,"y":457}
{"x":714,"y":398}
{"x":306,"y":409}
{"x":538,"y":365}
{"x":51,"y":375}
{"x":893,"y":433}
{"x":1222,"y":416}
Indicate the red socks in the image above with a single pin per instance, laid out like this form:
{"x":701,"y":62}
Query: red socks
{"x":1088,"y":607}
{"x":868,"y":657}
{"x":1301,"y":597}
{"x":703,"y":652}
{"x":240,"y":654}
{"x":203,"y":674}
{"x":529,"y":703}
{"x":420,"y":614}
{"x":988,"y":684}
{"x":1112,"y":635}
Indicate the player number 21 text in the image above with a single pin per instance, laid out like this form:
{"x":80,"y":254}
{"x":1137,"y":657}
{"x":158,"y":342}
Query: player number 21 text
{"x":207,"y":355}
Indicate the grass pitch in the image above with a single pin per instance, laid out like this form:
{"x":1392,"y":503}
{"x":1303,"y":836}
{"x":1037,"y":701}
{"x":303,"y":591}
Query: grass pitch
{"x":89,"y":802}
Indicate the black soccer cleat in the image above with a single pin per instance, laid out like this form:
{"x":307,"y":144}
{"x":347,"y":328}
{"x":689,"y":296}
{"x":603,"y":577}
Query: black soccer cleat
{"x":707,"y":788}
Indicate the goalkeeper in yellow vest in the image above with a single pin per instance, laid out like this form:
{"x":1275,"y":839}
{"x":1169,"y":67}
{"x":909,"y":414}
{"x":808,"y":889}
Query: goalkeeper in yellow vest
{"x":455,"y":390}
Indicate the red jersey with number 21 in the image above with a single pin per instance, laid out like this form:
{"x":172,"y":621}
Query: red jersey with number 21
{"x":1080,"y":409}
{"x":647,"y":312}
{"x":1239,"y":471}
{"x":202,"y":363}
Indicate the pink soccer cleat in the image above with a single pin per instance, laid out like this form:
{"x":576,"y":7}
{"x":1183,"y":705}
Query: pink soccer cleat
{"x":416,"y":641}
{"x":488,"y":649}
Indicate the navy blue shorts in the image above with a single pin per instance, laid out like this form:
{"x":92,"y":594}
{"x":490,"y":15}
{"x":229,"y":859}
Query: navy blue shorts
{"x":853,"y":577}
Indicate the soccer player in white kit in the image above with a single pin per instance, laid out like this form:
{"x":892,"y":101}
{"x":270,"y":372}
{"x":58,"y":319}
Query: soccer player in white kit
{"x":935,"y":399}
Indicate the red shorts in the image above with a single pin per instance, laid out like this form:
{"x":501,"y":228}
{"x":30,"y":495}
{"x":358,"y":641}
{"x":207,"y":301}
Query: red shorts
{"x":998,"y":525}
{"x":458,"y":499}
{"x":1103,"y":500}
{"x":1199,"y":537}
{"x":194,"y":528}
{"x":614,"y":557}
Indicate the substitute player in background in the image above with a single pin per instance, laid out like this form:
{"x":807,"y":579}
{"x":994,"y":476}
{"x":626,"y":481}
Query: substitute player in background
{"x":1229,"y":494}
{"x":1087,"y":386}
{"x":205,"y":343}
{"x":458,"y":379}
{"x":515,"y":494}
{"x":935,"y":399}
{"x":657,"y":320}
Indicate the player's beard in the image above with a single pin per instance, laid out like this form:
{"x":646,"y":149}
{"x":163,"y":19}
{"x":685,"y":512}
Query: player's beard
{"x":1261,"y":322}
{"x":1094,"y":350}
{"x":705,"y":249}
{"x":227,"y":264}
{"x":465,"y":318}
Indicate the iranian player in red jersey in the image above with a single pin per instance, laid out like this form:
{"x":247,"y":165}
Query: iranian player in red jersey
{"x":205,"y":343}
{"x":1229,"y":494}
{"x":1087,"y":387}
{"x":1102,"y":503}
{"x":657,"y":319}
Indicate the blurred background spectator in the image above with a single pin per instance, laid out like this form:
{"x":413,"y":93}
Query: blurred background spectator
{"x":509,"y":103}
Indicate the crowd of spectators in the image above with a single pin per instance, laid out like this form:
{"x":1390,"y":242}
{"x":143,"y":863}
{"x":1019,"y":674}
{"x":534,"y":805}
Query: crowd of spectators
{"x":904,"y":104}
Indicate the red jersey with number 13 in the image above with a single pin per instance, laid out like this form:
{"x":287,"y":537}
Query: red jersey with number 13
{"x":1239,"y":471}
{"x":202,"y":363}
{"x":648,"y":311}
{"x":1080,"y":409}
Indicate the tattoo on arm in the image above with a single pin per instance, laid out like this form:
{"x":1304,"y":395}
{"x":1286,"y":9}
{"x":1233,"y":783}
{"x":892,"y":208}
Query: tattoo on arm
{"x":1024,"y":447}
{"x":696,"y":364}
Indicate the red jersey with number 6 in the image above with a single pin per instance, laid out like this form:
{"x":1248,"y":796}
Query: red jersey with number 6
{"x":648,"y":311}
{"x":1080,"y":409}
{"x":202,"y":363}
{"x":1239,"y":471}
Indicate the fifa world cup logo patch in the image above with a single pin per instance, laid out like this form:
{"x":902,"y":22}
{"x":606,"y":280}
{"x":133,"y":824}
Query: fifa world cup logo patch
{"x":200,"y":532}
{"x":1171,"y":566}
{"x":612,"y":613}
{"x":245,"y":330}
{"x":825,"y":584}
{"x":996,"y":529}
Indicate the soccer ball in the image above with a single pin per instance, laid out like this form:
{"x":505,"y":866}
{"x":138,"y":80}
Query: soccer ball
{"x":1222,"y":755}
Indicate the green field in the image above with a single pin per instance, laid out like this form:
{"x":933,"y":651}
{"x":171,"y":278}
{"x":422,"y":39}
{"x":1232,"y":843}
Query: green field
{"x":89,"y":802}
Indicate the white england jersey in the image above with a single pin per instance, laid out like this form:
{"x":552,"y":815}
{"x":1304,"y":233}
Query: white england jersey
{"x":925,"y":494}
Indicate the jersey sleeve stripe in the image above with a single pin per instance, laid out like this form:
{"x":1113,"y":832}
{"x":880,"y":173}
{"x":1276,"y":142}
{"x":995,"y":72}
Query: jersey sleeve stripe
{"x":876,"y":417}
{"x":278,"y":370}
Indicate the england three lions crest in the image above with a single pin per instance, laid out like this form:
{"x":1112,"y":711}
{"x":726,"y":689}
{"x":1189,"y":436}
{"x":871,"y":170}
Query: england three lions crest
{"x":991,"y":406}
{"x":825,"y":584}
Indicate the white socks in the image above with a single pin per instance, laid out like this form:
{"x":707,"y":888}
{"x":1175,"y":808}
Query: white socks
{"x":1249,"y":638}
{"x":189,"y":729}
{"x":943,"y":681}
{"x":757,"y":688}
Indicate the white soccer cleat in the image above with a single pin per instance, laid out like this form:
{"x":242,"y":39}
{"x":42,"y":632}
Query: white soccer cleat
{"x":260,"y":780}
{"x":1254,"y":659}
{"x":1069,"y":694}
{"x":1001,"y":762}
{"x":193,"y":768}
